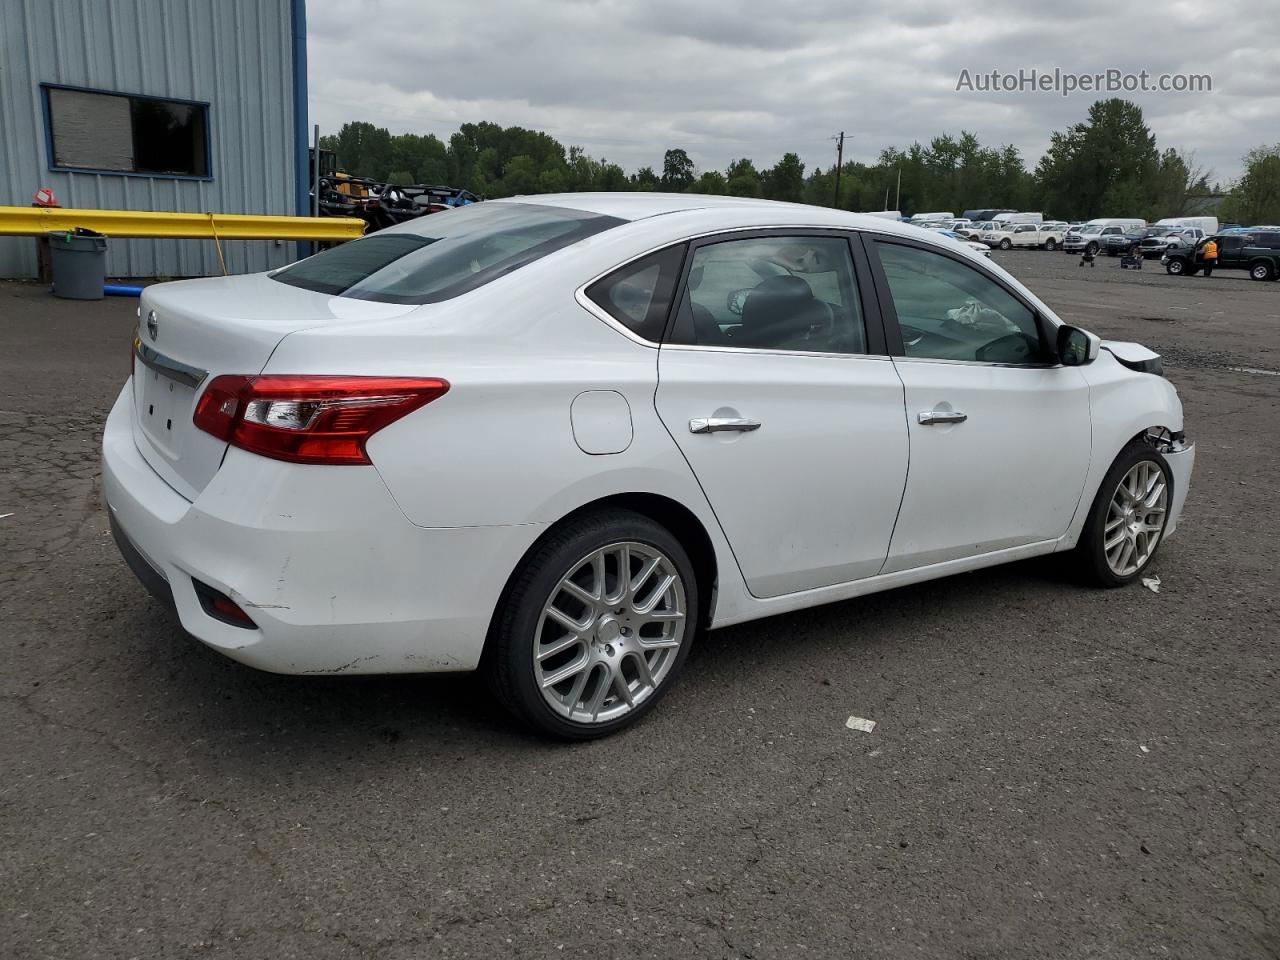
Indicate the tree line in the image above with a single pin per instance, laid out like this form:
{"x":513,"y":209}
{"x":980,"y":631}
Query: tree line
{"x":1107,"y":164}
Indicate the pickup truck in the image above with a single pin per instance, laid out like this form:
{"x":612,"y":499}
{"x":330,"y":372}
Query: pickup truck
{"x":1258,"y":253}
{"x":1119,"y":244}
{"x":1161,"y":240}
{"x":1078,"y":241}
{"x":1006,"y":236}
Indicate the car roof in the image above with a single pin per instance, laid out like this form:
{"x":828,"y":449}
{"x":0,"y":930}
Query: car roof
{"x":641,"y":206}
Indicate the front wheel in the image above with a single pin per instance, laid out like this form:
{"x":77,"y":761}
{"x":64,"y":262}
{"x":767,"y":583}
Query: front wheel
{"x":1174,"y":268}
{"x":595,"y":626}
{"x":1005,"y":244}
{"x":1127,"y":520}
{"x":1092,"y":248}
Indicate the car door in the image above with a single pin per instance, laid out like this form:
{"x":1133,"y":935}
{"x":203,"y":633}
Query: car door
{"x":1025,"y":235}
{"x":775,"y":384}
{"x":1000,"y":432}
{"x":1231,"y":250}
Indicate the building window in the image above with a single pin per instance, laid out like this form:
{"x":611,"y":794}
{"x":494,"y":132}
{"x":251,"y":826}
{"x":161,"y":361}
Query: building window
{"x":120,"y":133}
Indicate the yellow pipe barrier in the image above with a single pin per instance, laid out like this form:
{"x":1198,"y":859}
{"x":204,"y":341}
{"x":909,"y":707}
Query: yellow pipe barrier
{"x":36,"y":221}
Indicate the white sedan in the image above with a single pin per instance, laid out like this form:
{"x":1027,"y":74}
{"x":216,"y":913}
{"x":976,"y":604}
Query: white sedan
{"x":554,"y":437}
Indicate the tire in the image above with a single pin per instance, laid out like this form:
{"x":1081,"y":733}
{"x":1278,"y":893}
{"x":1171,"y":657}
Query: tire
{"x":1005,"y":244}
{"x":1092,"y":248}
{"x":1175,"y":268}
{"x":1142,"y":461}
{"x":1262,"y":270}
{"x":1051,"y":244}
{"x":613,"y":637}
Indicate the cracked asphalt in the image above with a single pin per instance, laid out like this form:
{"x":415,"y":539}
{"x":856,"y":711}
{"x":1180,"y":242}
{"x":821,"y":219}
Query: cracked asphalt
{"x":1055,"y":771}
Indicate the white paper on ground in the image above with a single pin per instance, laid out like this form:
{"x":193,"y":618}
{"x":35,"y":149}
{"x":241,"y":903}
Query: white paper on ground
{"x":857,"y":723}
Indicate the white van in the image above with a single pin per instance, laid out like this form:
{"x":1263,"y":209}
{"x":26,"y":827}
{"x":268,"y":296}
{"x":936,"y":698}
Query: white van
{"x":1019,"y":218}
{"x":930,"y":217}
{"x":884,"y":214}
{"x":1207,"y":225}
{"x":1089,"y":236}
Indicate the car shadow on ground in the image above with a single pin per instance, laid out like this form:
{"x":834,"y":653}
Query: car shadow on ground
{"x":199,"y":696}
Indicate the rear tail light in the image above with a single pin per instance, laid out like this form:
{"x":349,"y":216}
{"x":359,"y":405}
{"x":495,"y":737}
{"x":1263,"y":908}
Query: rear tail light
{"x":309,"y":419}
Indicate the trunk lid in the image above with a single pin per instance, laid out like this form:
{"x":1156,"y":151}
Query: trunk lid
{"x":194,"y":330}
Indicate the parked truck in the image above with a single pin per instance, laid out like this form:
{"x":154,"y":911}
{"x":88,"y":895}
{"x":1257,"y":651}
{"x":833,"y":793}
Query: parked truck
{"x":1258,"y":253}
{"x":1006,"y":235}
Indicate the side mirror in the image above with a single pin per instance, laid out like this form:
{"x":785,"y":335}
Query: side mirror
{"x":1077,"y":347}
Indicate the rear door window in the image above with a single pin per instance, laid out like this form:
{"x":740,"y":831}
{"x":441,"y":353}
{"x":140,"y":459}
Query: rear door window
{"x":444,"y":254}
{"x":773,"y":293}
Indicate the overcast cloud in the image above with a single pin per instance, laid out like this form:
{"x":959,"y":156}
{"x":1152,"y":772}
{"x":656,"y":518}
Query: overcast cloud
{"x":731,"y":78}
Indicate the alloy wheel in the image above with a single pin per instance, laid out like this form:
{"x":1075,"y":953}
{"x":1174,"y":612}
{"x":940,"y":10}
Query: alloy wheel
{"x":1135,"y":518}
{"x":610,"y":632}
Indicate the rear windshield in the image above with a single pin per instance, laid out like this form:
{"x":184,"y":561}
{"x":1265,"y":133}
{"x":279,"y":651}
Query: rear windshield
{"x":444,"y":254}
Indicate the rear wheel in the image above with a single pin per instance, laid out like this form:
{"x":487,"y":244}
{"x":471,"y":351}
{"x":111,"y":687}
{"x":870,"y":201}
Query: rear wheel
{"x":1127,"y":520}
{"x":1262,"y":270}
{"x":1051,"y":244}
{"x":595,"y":626}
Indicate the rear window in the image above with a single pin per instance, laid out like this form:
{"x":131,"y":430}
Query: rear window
{"x":445,"y":254}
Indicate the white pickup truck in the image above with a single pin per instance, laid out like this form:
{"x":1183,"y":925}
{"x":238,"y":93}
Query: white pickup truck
{"x":1006,"y":236}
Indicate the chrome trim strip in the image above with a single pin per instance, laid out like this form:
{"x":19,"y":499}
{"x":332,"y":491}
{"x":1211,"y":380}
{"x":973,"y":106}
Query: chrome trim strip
{"x":167,"y":366}
{"x":982,"y":363}
{"x":720,"y":348}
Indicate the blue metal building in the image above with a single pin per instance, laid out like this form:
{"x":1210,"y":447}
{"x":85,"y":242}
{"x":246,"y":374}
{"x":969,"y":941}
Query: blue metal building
{"x":169,"y":105}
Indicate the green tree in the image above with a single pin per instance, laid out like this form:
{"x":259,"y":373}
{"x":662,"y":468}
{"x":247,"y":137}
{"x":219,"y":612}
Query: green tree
{"x":612,"y":177}
{"x":711,"y":181}
{"x":677,"y":171}
{"x":364,"y":150}
{"x":423,"y":157}
{"x":1256,"y":198}
{"x":742,"y":180}
{"x":1106,"y":164}
{"x":519,"y":176}
{"x":785,"y":181}
{"x":644,"y":179}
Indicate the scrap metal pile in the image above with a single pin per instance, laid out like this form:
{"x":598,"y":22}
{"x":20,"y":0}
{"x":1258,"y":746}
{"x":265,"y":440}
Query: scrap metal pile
{"x":382,"y":204}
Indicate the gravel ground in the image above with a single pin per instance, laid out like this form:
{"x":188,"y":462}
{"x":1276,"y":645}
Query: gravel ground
{"x":1056,"y":771}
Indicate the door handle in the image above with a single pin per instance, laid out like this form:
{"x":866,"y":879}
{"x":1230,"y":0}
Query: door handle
{"x":722,"y":425}
{"x":931,"y":417}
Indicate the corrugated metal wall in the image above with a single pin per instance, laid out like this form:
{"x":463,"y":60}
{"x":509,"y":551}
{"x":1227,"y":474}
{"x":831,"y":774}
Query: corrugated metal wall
{"x":234,"y":54}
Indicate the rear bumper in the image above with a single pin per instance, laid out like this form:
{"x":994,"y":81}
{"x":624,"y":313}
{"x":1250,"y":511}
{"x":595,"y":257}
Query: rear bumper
{"x":1180,"y":462}
{"x":322,"y":559}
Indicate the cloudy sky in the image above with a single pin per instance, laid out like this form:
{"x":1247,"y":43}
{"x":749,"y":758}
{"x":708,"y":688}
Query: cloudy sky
{"x":756,"y":78}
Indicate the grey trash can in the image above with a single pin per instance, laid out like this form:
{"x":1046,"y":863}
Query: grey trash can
{"x":79,"y":265}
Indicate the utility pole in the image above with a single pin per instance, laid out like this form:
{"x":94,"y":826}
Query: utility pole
{"x":897,"y":197}
{"x":839,"y":164}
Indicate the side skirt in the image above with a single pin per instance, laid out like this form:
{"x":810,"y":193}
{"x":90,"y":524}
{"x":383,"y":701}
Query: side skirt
{"x":754,"y":609}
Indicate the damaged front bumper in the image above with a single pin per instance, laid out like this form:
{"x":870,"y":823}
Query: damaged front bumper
{"x":1180,"y":454}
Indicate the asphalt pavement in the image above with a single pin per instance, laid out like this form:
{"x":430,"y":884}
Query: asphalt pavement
{"x":1055,"y":771}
